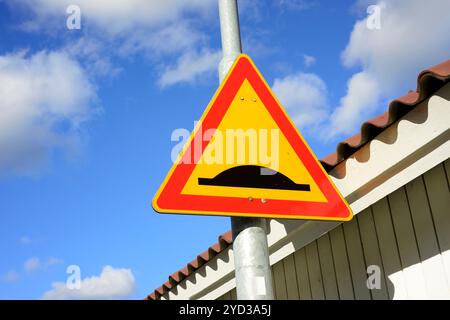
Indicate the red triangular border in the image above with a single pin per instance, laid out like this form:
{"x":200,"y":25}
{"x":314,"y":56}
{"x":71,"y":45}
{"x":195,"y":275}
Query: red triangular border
{"x":170,"y":200}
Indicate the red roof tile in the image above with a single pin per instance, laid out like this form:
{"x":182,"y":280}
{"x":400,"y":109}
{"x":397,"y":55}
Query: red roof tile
{"x":428,"y":82}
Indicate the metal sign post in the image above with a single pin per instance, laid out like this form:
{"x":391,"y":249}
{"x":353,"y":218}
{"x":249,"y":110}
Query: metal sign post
{"x":251,"y":252}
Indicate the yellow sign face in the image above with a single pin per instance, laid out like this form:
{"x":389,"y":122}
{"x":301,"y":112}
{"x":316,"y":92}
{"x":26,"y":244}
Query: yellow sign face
{"x":246,"y":158}
{"x":257,"y":141}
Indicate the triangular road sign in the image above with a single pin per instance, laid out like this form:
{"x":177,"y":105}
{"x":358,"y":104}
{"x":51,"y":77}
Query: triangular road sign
{"x":246,"y":158}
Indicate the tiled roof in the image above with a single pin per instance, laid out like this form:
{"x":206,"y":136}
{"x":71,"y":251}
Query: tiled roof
{"x":428,"y":82}
{"x":224,"y":241}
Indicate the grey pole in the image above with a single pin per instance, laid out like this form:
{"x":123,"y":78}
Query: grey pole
{"x":251,"y":252}
{"x":231,"y":36}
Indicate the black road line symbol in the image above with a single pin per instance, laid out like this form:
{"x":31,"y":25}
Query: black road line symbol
{"x":251,"y":176}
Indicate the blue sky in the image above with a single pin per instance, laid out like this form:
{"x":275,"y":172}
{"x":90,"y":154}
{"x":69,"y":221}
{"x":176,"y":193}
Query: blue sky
{"x":86,"y":118}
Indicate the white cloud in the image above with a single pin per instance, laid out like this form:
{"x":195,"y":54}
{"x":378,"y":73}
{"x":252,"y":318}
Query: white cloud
{"x":117,"y":16}
{"x":90,"y":51}
{"x":361,"y":100}
{"x":296,"y":4}
{"x":308,"y":60}
{"x":304,"y":95}
{"x":10,"y":277}
{"x":190,"y":67}
{"x":53,"y":261}
{"x":131,"y":26}
{"x":110,"y":284}
{"x":25,"y":240}
{"x":112,"y":28}
{"x":413,"y":36}
{"x":48,"y":95}
{"x":32,"y":264}
{"x":173,"y":38}
{"x":45,"y":99}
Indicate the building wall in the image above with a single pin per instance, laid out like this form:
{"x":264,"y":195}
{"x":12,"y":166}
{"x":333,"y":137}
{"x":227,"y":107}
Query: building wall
{"x":406,"y":234}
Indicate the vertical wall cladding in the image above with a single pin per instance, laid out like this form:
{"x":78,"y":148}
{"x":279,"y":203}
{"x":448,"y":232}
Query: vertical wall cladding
{"x":402,"y":243}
